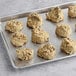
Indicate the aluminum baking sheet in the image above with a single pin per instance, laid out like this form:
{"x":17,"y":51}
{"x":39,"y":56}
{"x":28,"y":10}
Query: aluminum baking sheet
{"x":47,"y":26}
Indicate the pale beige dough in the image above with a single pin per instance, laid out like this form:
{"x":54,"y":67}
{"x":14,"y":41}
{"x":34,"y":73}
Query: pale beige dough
{"x":34,"y":20}
{"x":46,"y":51}
{"x":13,"y":26}
{"x":39,"y":35}
{"x":55,"y":15}
{"x":18,"y":39}
{"x":72,"y":11}
{"x":68,"y":46}
{"x":24,"y":54}
{"x":63,"y":30}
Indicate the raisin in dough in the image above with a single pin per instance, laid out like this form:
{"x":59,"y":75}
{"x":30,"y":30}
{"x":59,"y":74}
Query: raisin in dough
{"x":72,"y":11}
{"x":34,"y":20}
{"x":13,"y":26}
{"x":68,"y":46}
{"x":24,"y":53}
{"x":63,"y":30}
{"x":46,"y":51}
{"x":18,"y":39}
{"x":55,"y":15}
{"x":39,"y":35}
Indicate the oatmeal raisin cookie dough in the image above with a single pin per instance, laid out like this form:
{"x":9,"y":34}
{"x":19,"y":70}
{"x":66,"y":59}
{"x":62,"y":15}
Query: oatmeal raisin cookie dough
{"x":68,"y":46}
{"x":18,"y":39}
{"x":24,"y":54}
{"x":34,"y":20}
{"x":55,"y":15}
{"x":13,"y":26}
{"x":72,"y":11}
{"x":46,"y":51}
{"x":39,"y":36}
{"x":63,"y":30}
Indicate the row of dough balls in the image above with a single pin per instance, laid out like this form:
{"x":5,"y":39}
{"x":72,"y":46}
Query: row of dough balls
{"x":34,"y":20}
{"x":56,"y":14}
{"x":47,"y":51}
{"x":39,"y":35}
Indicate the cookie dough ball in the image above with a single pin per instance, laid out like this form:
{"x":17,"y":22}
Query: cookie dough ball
{"x":68,"y":46}
{"x":24,"y":53}
{"x":46,"y":51}
{"x":18,"y":39}
{"x":63,"y":30}
{"x":55,"y":15}
{"x":13,"y":26}
{"x":39,"y":36}
{"x":72,"y":11}
{"x":34,"y":20}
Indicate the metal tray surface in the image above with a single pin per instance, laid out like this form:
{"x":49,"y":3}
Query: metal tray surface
{"x":47,"y":26}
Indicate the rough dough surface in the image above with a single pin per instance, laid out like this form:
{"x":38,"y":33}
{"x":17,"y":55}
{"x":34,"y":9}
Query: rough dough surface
{"x":39,"y":35}
{"x":34,"y":20}
{"x":24,"y":53}
{"x":13,"y":26}
{"x":68,"y":46}
{"x":55,"y":15}
{"x":18,"y":39}
{"x":46,"y":51}
{"x":72,"y":11}
{"x":63,"y":30}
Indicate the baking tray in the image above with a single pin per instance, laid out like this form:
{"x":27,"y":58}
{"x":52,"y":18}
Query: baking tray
{"x":47,"y":26}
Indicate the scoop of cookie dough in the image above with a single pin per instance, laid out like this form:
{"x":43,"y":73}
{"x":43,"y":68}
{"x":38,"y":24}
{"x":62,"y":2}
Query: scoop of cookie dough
{"x":46,"y":51}
{"x":34,"y":20}
{"x":55,"y":15}
{"x":13,"y":26}
{"x":72,"y":11}
{"x":18,"y":39}
{"x":68,"y":46}
{"x":63,"y":30}
{"x":39,"y":35}
{"x":24,"y":53}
